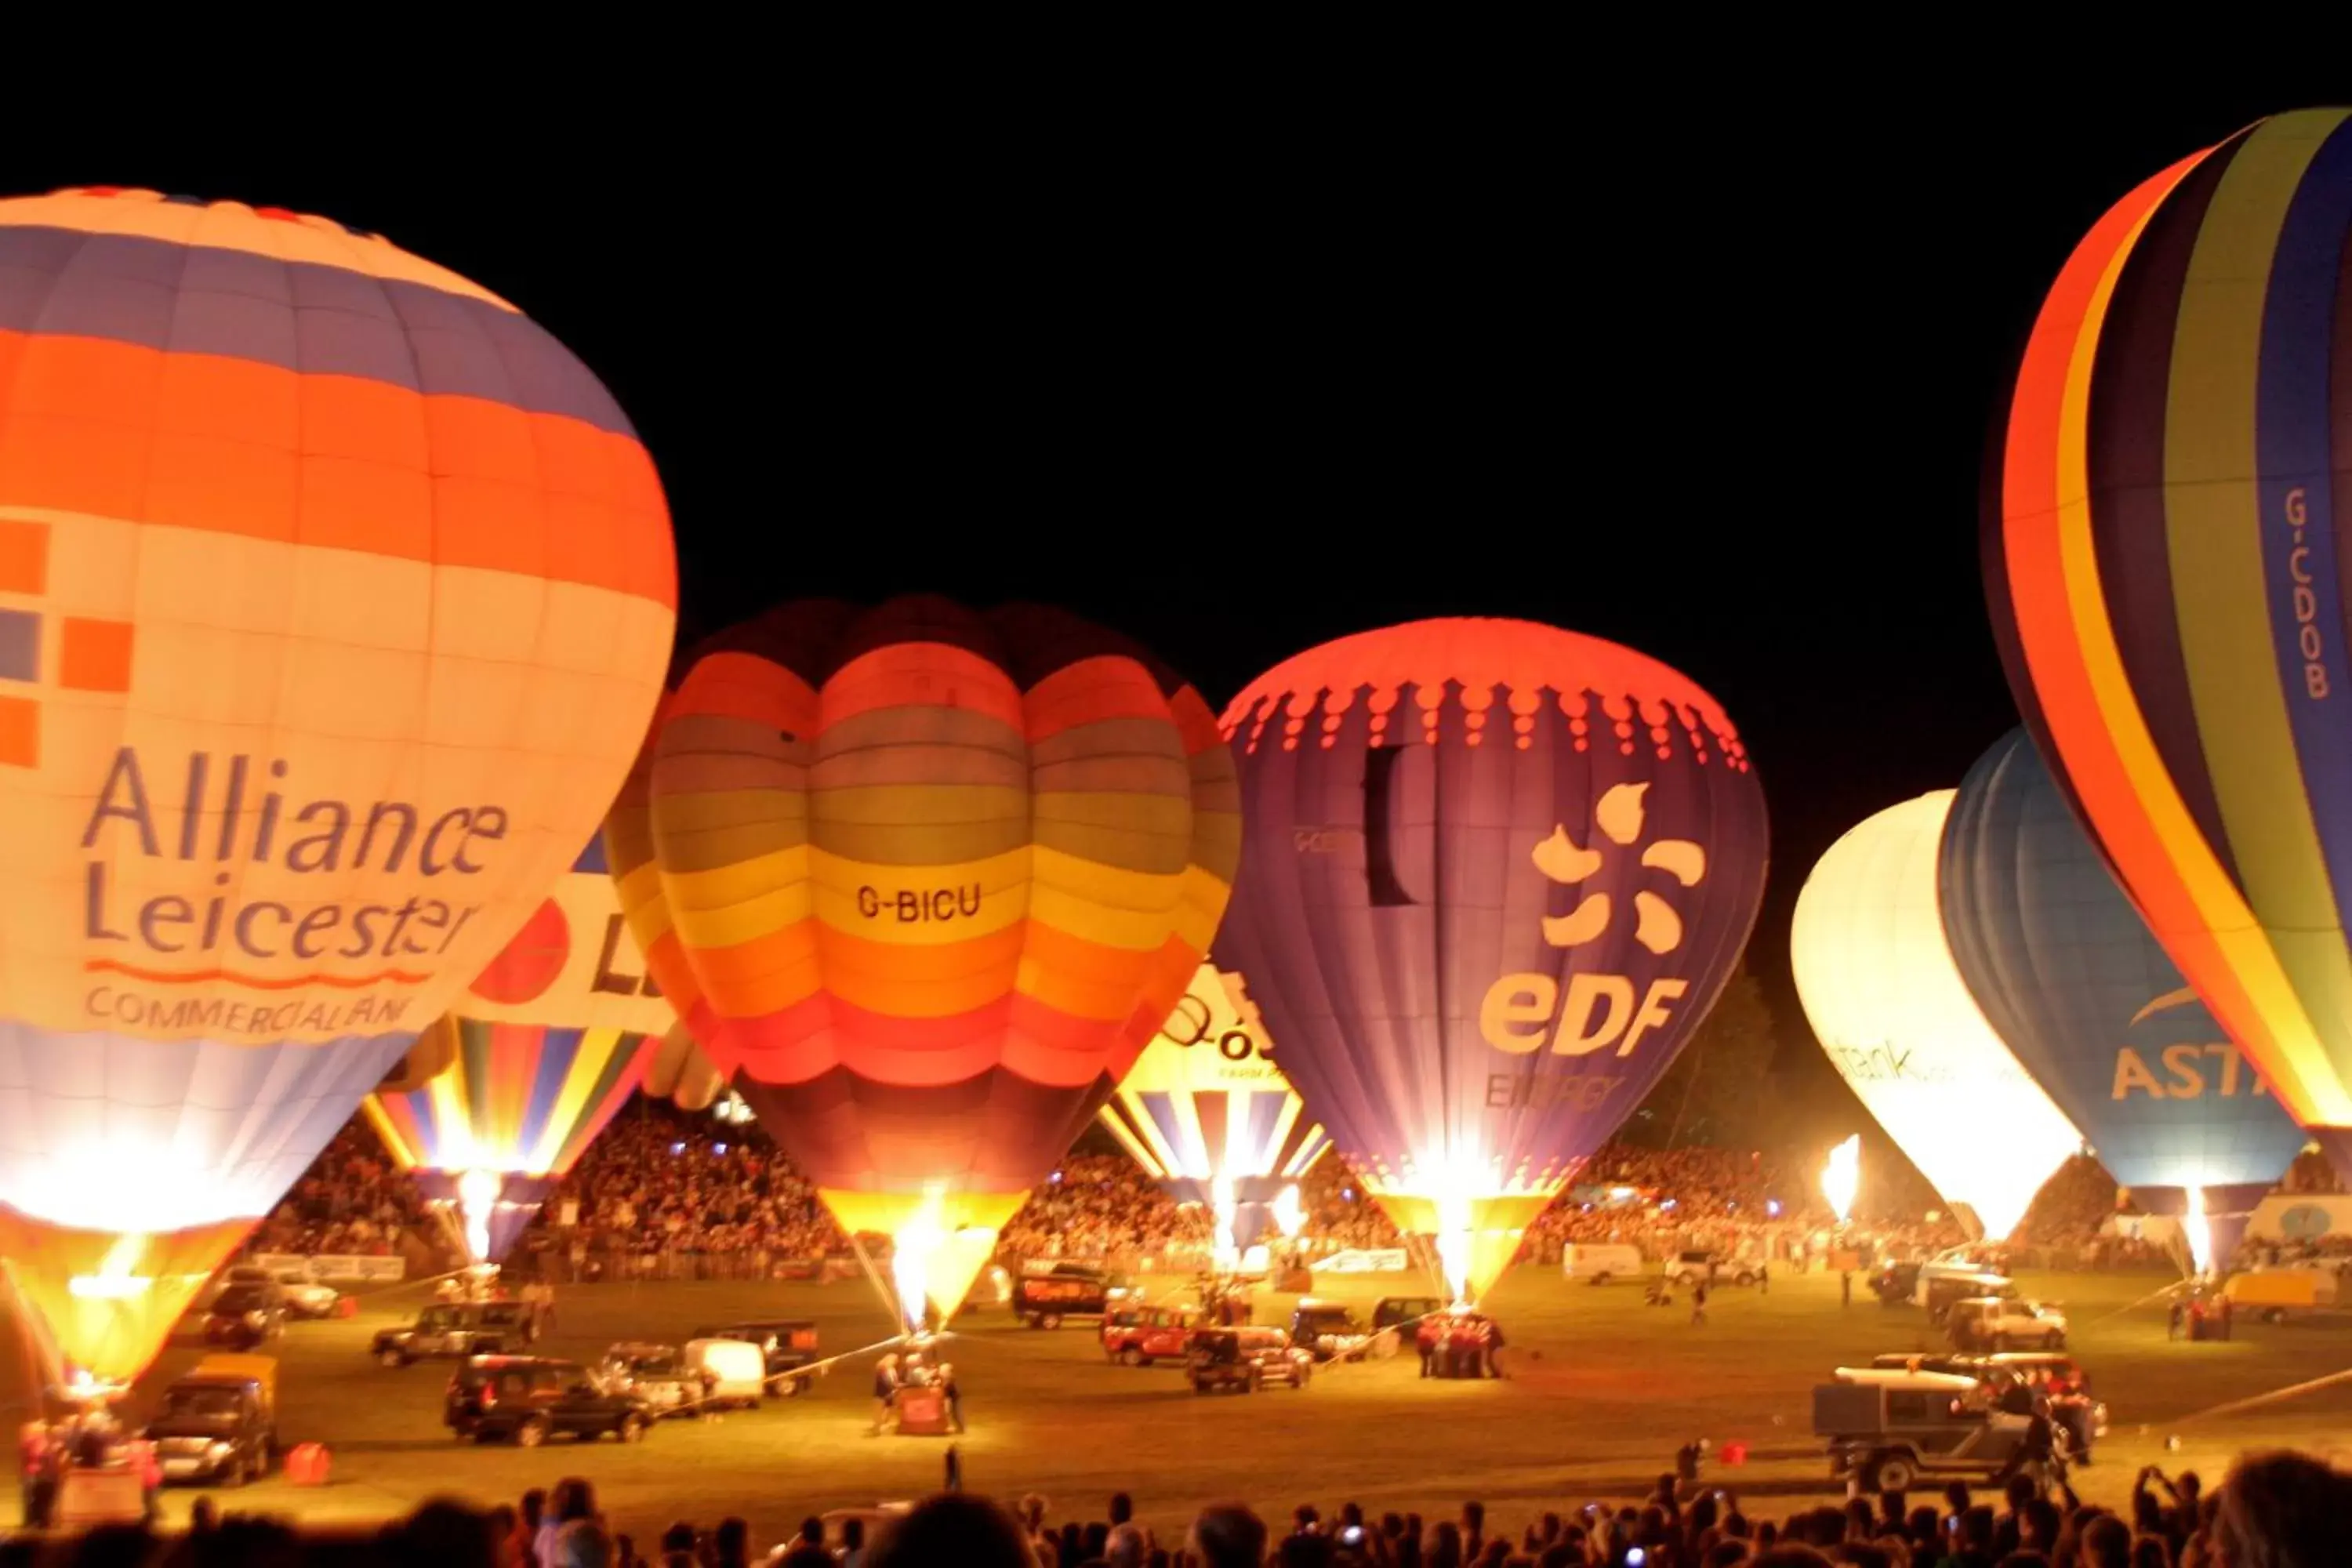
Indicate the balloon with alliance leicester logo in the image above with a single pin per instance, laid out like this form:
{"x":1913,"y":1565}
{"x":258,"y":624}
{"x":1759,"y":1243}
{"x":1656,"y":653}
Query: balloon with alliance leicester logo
{"x":334,"y":594}
{"x":1495,"y":873}
{"x":533,"y":1062}
{"x":2164,"y":554}
{"x":2066,"y":972}
{"x":1876,"y":977}
{"x":1208,"y":1113}
{"x":924,"y":882}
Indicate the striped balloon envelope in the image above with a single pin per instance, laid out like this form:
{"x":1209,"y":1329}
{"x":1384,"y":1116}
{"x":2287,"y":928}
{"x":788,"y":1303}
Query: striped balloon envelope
{"x":924,"y":882}
{"x":2165,"y":550}
{"x":1207,"y":1113}
{"x":537,"y":1056}
{"x":334,"y":596}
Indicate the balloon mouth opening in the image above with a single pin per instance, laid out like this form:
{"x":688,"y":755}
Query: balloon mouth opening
{"x":1841,"y":1177}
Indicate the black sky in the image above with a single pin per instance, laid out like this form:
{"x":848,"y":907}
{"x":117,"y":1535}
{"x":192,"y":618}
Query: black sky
{"x":1712,"y":380}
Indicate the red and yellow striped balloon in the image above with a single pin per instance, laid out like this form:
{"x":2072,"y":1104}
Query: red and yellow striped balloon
{"x":334,"y":594}
{"x":927,"y":880}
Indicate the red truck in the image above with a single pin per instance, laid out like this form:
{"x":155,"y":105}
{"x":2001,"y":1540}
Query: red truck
{"x":1138,"y":1336}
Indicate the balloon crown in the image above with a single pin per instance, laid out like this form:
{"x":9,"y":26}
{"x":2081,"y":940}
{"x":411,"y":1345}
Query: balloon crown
{"x":274,"y":215}
{"x":1471,"y":671}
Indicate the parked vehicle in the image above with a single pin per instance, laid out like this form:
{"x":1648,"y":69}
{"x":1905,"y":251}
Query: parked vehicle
{"x":733,"y":1372}
{"x":1940,"y":1293}
{"x":787,"y":1350}
{"x":1328,"y":1330}
{"x":1688,"y":1268}
{"x":1891,"y":1435}
{"x":526,"y":1400}
{"x":1067,"y":1290}
{"x":1244,"y":1361}
{"x":1396,"y":1319}
{"x":1601,"y":1263}
{"x":458,"y":1329}
{"x":217,"y":1425}
{"x":2059,"y":1378}
{"x":2000,"y":1322}
{"x":659,"y":1376}
{"x":246,"y":1314}
{"x":2273,"y":1295}
{"x":1138,"y":1336}
{"x":304,"y":1297}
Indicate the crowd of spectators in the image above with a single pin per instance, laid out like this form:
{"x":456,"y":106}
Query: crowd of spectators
{"x":659,"y":1184}
{"x":352,"y":1201}
{"x":659,"y":1180}
{"x":2273,"y":1510}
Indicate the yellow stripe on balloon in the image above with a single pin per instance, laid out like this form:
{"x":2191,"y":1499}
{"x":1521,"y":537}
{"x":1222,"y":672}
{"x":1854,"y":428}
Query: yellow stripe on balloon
{"x":2213,"y":528}
{"x":736,"y":904}
{"x":861,"y":897}
{"x":404,"y":1153}
{"x":643,"y":900}
{"x":1154,"y":1158}
{"x":453,"y":1113}
{"x":2218,"y":903}
{"x":588,"y":1064}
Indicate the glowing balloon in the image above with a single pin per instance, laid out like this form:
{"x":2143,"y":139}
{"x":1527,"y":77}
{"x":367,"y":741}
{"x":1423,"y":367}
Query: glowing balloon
{"x":2069,"y":976}
{"x":924,"y":882}
{"x":1495,"y":875}
{"x":541,"y":1052}
{"x":2165,"y":554}
{"x":1208,"y":1113}
{"x":333,"y":596}
{"x":677,"y":1071}
{"x":1877,"y":980}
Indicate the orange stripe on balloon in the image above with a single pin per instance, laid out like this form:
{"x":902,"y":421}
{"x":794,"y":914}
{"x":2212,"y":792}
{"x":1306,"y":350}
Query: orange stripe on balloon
{"x":118,"y":430}
{"x":1091,"y":690}
{"x":745,"y":686}
{"x":921,"y":675}
{"x":1195,"y":722}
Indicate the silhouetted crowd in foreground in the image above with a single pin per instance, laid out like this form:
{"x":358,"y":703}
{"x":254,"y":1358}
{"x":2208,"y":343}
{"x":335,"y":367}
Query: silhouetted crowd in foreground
{"x":2273,"y":1510}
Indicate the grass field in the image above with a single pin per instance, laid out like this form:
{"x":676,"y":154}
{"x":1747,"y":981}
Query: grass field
{"x":1603,"y":1390}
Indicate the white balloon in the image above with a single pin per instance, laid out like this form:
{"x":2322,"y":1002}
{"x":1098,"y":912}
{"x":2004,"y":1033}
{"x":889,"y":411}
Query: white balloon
{"x":1879,"y":984}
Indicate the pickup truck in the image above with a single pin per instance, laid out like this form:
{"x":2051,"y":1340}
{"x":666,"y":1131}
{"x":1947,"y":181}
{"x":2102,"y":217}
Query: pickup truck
{"x":2004,"y":1322}
{"x":458,"y":1330}
{"x":217,"y":1426}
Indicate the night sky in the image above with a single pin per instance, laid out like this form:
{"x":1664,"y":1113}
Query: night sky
{"x":1714,"y":382}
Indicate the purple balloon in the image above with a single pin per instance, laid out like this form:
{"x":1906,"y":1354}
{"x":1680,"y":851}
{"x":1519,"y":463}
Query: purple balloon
{"x":1494,"y":875}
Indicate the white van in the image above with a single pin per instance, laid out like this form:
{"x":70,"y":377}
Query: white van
{"x":1601,"y":1263}
{"x":737,"y":1371}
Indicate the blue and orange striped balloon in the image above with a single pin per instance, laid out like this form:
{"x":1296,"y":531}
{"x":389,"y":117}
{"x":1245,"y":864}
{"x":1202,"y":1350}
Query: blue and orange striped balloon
{"x":2165,"y":550}
{"x":334,"y":597}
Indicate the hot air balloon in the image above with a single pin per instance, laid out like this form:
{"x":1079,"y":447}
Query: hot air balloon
{"x":2067,"y":973}
{"x":334,"y":594}
{"x":924,"y":882}
{"x":541,"y":1052}
{"x":2164,"y":552}
{"x":1207,"y":1113}
{"x":678,"y":1072}
{"x":1878,"y":982}
{"x":1496,"y":874}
